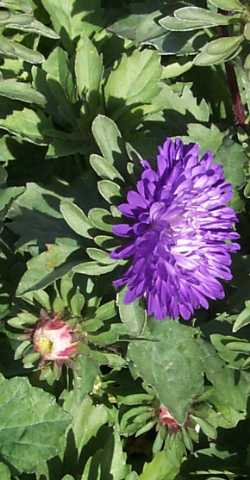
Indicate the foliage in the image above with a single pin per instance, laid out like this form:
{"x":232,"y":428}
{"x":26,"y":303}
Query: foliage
{"x":88,"y":89}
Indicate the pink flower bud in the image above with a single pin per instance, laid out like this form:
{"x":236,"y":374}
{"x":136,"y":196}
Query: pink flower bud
{"x":168,"y":420}
{"x":54,"y":339}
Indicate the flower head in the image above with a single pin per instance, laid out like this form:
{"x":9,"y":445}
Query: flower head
{"x":54,"y":340}
{"x":178,"y":232}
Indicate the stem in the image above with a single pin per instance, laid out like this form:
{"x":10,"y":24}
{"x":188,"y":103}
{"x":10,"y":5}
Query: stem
{"x":238,"y":107}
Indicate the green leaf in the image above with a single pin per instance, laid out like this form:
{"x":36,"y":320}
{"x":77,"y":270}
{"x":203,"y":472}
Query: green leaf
{"x":7,"y":195}
{"x":114,"y":458}
{"x":77,"y":303}
{"x":224,"y":45}
{"x":22,"y":5}
{"x":208,"y":138}
{"x":87,"y":419}
{"x":28,"y":125}
{"x":42,"y":298}
{"x":75,"y":218}
{"x":108,"y":139}
{"x":170,"y":361}
{"x":93,"y":268}
{"x":104,"y":168}
{"x":17,"y":50}
{"x":31,"y":424}
{"x":85,"y":374}
{"x":135,"y":80}
{"x":26,"y":23}
{"x":232,"y":157}
{"x":58,"y":68}
{"x":243,"y":319}
{"x":4,"y":472}
{"x":218,"y":51}
{"x":179,"y":23}
{"x":228,"y":5}
{"x":40,"y":268}
{"x":138,"y":27}
{"x":109,"y":460}
{"x":144,"y":28}
{"x":110,"y":191}
{"x":166,"y":464}
{"x":233,"y":405}
{"x":68,"y":20}
{"x":55,"y":81}
{"x":175,"y":69}
{"x":101,"y":219}
{"x":88,"y":69}
{"x":133,"y":315}
{"x":21,"y":91}
{"x":100,"y":256}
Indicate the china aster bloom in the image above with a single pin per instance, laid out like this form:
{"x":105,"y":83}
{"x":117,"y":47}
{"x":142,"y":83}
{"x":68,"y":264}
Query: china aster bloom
{"x":54,"y":340}
{"x":178,"y":233}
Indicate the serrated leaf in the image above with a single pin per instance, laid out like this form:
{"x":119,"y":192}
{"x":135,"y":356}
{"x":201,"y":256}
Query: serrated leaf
{"x":208,"y":138}
{"x":165,"y":464}
{"x":68,"y":21}
{"x":58,"y":68}
{"x":233,"y":159}
{"x":175,"y":69}
{"x":138,"y":27}
{"x":170,"y":361}
{"x":135,"y":80}
{"x":27,"y":124}
{"x":87,"y":419}
{"x":30,"y":424}
{"x":40,"y":268}
{"x":145,"y":28}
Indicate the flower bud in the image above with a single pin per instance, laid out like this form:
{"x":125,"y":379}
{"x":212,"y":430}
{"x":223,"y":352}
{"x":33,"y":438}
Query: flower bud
{"x":168,"y":420}
{"x":54,"y":339}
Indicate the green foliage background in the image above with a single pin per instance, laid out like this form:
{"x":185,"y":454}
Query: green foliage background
{"x":87,"y":88}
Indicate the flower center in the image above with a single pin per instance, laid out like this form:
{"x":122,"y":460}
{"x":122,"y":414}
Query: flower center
{"x":45,"y":345}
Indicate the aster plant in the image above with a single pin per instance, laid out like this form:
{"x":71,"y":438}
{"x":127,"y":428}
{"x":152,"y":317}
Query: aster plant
{"x":124,"y":239}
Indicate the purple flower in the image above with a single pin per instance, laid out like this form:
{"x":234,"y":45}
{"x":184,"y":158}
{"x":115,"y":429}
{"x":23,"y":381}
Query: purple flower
{"x":178,"y":233}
